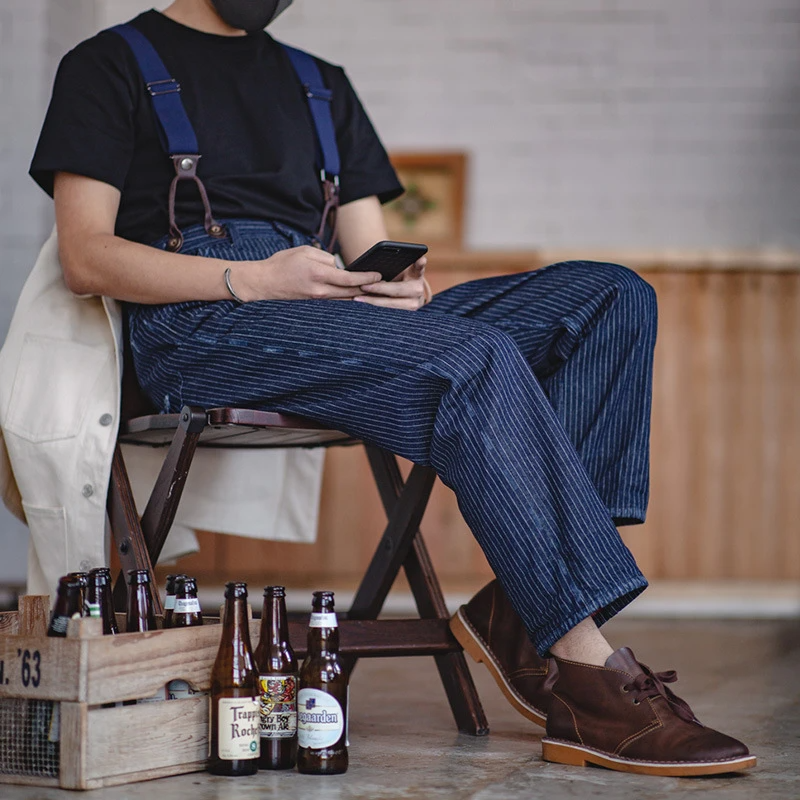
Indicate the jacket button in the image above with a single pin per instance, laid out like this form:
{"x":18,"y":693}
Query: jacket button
{"x":88,"y":490}
{"x":106,"y":419}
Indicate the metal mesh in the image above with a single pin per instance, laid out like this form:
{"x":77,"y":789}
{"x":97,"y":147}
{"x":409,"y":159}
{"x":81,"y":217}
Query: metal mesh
{"x":29,"y":737}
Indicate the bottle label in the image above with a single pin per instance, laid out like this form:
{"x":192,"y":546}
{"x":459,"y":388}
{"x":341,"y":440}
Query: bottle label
{"x":169,"y":602}
{"x":323,"y":620}
{"x":189,"y":605}
{"x":237,"y":730}
{"x":93,"y":609}
{"x":320,"y":720}
{"x":278,"y":706}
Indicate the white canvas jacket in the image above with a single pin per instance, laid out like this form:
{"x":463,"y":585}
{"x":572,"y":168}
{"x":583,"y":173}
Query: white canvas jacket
{"x":60,"y":373}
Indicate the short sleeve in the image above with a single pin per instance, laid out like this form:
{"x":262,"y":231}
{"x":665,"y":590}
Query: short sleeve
{"x":89,"y":127}
{"x":366,"y":169}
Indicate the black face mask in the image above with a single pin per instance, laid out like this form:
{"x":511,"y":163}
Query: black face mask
{"x":250,"y":15}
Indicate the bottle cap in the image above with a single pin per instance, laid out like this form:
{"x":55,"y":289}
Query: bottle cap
{"x":100,"y":571}
{"x":138,"y":576}
{"x":100,"y":577}
{"x":322,"y":600}
{"x":235,"y":590}
{"x":185,"y":584}
{"x":274,"y":591}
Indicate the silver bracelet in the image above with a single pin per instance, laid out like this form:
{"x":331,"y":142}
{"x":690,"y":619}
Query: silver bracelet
{"x":230,"y":288}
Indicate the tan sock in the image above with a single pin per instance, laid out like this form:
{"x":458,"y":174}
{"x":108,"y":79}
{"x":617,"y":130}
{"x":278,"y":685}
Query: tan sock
{"x":584,"y":643}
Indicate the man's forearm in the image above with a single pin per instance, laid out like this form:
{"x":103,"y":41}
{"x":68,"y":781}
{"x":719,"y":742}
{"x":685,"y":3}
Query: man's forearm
{"x":105,"y":264}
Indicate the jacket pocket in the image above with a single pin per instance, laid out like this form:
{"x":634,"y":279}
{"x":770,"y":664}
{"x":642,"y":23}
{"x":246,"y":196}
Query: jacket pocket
{"x":48,"y":527}
{"x":54,"y":381}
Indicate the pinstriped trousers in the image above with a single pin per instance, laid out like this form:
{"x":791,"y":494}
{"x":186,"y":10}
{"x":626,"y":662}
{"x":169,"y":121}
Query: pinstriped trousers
{"x":529,"y":394}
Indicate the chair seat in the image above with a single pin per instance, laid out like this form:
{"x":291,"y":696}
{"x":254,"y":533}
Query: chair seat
{"x":235,"y":427}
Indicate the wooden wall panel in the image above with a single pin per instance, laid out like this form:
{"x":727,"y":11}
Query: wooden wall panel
{"x":726,"y":429}
{"x":725,"y":500}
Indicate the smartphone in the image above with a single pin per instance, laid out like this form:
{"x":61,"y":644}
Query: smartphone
{"x":388,"y":258}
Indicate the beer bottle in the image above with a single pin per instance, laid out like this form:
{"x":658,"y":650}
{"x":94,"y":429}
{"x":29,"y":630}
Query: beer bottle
{"x":140,"y":615}
{"x":234,"y":710}
{"x":83,"y":579}
{"x":169,"y":600}
{"x":186,"y":611}
{"x":277,"y":668}
{"x":99,"y":600}
{"x":68,"y":604}
{"x":322,"y":699}
{"x":44,"y":719}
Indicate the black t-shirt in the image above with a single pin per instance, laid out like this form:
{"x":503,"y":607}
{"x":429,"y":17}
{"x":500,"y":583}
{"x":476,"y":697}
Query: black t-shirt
{"x":250,"y":115}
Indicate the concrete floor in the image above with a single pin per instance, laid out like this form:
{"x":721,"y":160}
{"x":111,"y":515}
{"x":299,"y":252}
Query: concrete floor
{"x":740,"y":677}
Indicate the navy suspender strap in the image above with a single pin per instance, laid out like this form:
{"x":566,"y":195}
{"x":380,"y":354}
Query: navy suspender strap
{"x":180,"y":142}
{"x":319,"y":103}
{"x":174,"y":128}
{"x":176,"y":132}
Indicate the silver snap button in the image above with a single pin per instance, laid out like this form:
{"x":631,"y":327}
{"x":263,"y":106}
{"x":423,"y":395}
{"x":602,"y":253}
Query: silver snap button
{"x":88,"y":490}
{"x":187,"y":163}
{"x":106,"y":419}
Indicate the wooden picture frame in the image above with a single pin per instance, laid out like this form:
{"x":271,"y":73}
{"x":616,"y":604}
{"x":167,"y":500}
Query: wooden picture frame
{"x":432,"y":209}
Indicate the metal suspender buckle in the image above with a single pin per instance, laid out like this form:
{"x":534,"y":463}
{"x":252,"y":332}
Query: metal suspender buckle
{"x":333,"y":181}
{"x":318,"y":93}
{"x":167,"y":86}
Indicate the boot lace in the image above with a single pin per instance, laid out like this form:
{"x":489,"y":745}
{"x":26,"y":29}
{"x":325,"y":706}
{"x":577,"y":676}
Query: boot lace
{"x":651,"y":684}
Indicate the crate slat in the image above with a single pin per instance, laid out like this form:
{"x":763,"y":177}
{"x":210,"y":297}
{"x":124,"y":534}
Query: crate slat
{"x":40,"y":668}
{"x":138,"y":742}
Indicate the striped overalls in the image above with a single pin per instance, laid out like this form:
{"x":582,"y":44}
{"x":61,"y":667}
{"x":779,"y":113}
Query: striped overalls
{"x":529,"y":394}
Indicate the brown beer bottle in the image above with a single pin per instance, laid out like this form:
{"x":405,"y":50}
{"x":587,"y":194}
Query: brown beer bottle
{"x":186,"y":612}
{"x":99,"y":600}
{"x":140,"y":615}
{"x":322,"y":699}
{"x":277,"y":672}
{"x":69,"y":602}
{"x":234,"y":736}
{"x":83,"y":579}
{"x":169,"y":599}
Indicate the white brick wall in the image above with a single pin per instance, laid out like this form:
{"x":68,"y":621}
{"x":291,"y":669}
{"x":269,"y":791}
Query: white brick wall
{"x":616,"y":123}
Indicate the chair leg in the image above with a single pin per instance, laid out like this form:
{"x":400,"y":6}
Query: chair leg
{"x":404,"y":518}
{"x":140,"y":543}
{"x":453,"y":670}
{"x":168,"y":489}
{"x":127,"y":531}
{"x":456,"y":678}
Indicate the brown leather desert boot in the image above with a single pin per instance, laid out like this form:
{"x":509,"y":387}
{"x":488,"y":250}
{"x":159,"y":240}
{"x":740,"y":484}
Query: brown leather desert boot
{"x":489,"y":630}
{"x":623,"y":717}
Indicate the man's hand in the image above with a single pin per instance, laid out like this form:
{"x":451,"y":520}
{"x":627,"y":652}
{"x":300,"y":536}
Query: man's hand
{"x":301,"y":273}
{"x":406,"y":291}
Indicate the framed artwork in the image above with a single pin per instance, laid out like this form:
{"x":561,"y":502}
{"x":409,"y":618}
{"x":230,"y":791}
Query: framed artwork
{"x":432,"y":209}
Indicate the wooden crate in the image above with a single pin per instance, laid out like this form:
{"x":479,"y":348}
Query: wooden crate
{"x":86,"y":670}
{"x":82,"y":672}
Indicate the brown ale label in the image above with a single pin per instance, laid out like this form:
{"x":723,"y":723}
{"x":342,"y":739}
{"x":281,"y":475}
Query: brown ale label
{"x":278,"y":706}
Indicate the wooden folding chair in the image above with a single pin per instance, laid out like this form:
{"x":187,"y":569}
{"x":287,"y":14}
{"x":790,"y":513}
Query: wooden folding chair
{"x":139,"y":541}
